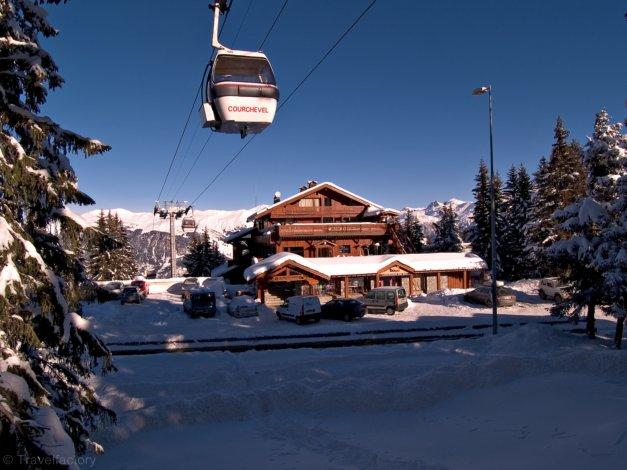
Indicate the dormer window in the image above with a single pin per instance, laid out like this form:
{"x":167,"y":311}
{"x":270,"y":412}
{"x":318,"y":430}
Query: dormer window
{"x":309,"y":202}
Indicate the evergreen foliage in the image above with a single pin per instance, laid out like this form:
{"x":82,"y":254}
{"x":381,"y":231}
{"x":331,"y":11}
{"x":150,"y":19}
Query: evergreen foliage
{"x":592,"y":249}
{"x":447,"y":233}
{"x":46,"y":349}
{"x":202,"y":255}
{"x":413,"y":233}
{"x":480,"y":235}
{"x":481,"y":232}
{"x":515,"y":263}
{"x":559,"y":182}
{"x":111,"y":254}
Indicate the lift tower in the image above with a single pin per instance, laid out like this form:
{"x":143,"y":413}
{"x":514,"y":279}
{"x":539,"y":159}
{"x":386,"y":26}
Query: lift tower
{"x":171,"y":210}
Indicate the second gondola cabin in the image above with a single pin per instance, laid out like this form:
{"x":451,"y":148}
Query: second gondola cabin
{"x":240,"y":94}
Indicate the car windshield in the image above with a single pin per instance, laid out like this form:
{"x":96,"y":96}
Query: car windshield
{"x":401,"y":293}
{"x":232,"y":68}
{"x":129,"y":290}
{"x":201,"y":299}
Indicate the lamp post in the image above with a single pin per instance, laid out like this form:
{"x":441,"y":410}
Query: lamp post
{"x":482,"y":91}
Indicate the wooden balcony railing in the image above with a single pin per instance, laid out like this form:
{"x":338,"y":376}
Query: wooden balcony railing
{"x":349,"y":229}
{"x":319,"y":211}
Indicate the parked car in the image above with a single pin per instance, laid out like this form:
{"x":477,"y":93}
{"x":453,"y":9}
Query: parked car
{"x":242,"y":306}
{"x":344,"y":309}
{"x":143,"y":286}
{"x":131,"y":295}
{"x":505,"y":297}
{"x":300,"y":308}
{"x":200,"y":303}
{"x":386,"y":299}
{"x":188,"y":284}
{"x":114,"y":288}
{"x":552,"y":288}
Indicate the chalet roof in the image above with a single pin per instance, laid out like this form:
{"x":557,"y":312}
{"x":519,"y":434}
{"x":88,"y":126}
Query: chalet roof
{"x":364,"y":265}
{"x":239,"y":234}
{"x":373,"y":208}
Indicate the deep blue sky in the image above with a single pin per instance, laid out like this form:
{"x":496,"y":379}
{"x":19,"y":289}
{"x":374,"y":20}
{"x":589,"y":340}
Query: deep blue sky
{"x":389,"y":115}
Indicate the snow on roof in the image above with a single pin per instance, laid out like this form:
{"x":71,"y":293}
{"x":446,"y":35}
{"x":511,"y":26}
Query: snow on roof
{"x":326,"y":184}
{"x":222,"y":269}
{"x":238,"y":234}
{"x":363,"y":265}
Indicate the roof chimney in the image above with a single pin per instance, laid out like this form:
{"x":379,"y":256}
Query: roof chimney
{"x":277,"y":197}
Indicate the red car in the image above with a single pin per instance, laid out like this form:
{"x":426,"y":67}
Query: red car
{"x":143,"y":287}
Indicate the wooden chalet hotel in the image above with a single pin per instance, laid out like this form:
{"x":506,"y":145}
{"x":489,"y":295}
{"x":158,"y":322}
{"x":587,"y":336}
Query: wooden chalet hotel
{"x":328,"y":241}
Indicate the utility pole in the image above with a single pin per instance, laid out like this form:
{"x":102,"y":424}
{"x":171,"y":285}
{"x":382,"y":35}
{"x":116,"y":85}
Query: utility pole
{"x":171,"y":210}
{"x":481,"y":91}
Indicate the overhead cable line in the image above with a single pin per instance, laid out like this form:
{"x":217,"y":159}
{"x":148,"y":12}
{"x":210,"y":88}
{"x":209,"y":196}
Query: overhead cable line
{"x":289,"y":96}
{"x":189,"y":115}
{"x":276,"y":18}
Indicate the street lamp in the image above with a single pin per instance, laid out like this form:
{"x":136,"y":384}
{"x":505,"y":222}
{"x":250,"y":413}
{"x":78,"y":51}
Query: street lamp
{"x":482,"y":91}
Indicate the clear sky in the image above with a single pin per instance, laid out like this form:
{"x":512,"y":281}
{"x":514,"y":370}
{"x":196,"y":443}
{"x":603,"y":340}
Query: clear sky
{"x":389,"y":115}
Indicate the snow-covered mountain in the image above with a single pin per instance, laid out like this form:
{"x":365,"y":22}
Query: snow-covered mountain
{"x":427,"y":216}
{"x":149,"y":235}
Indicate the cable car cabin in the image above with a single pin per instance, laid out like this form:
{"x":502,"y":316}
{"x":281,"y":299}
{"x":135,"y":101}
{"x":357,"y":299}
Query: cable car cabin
{"x":240,"y":93}
{"x":189,"y":224}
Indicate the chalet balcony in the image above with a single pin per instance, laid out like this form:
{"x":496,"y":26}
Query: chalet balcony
{"x":346,"y":229}
{"x":295,"y":212}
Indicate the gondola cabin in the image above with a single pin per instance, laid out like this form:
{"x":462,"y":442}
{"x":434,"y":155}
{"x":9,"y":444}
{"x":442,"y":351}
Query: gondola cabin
{"x":189,"y":224}
{"x":240,"y":93}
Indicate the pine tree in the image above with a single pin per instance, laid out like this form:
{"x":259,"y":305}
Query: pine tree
{"x":413,"y":232}
{"x":46,"y":351}
{"x":480,"y":235}
{"x":515,"y":263}
{"x":447,"y":233}
{"x":588,"y":250}
{"x":558,"y":183}
{"x":111,"y":254}
{"x":202,"y":256}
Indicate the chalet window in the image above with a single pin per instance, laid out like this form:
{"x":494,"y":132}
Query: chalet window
{"x":327,"y":220}
{"x":327,"y":201}
{"x":297,"y":250}
{"x":345,"y":249}
{"x":309,"y":202}
{"x":325,"y":252}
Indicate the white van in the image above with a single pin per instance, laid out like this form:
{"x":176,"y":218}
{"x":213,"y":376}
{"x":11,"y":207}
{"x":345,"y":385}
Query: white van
{"x":300,"y":308}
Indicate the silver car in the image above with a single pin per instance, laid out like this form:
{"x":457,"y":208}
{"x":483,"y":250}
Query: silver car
{"x":552,"y":288}
{"x":386,"y":299}
{"x":505,"y":297}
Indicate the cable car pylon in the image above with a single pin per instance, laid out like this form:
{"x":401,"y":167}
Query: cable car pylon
{"x":172,"y":210}
{"x":239,"y":93}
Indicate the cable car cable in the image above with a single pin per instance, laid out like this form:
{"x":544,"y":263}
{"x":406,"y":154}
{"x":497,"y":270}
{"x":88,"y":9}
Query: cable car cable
{"x":191,"y":110}
{"x":193,"y":165}
{"x":339,"y":40}
{"x":276,"y":18}
{"x":285,"y":101}
{"x":250,"y":3}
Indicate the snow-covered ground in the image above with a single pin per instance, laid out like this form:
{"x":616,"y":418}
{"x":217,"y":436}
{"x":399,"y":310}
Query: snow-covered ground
{"x":160,"y":319}
{"x":532,"y":397}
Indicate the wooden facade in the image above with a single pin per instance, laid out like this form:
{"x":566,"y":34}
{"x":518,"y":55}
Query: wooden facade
{"x":322,"y":220}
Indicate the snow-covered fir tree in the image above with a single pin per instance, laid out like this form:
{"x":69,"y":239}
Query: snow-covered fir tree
{"x":591,"y":250}
{"x":413,"y":232}
{"x":447,"y":232}
{"x":480,"y":233}
{"x":559,"y":182}
{"x":202,"y":255}
{"x":47,"y":407}
{"x":111,"y":254}
{"x":515,"y":263}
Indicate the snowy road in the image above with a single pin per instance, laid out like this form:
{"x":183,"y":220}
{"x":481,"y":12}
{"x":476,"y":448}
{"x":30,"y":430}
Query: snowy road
{"x":533,"y":397}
